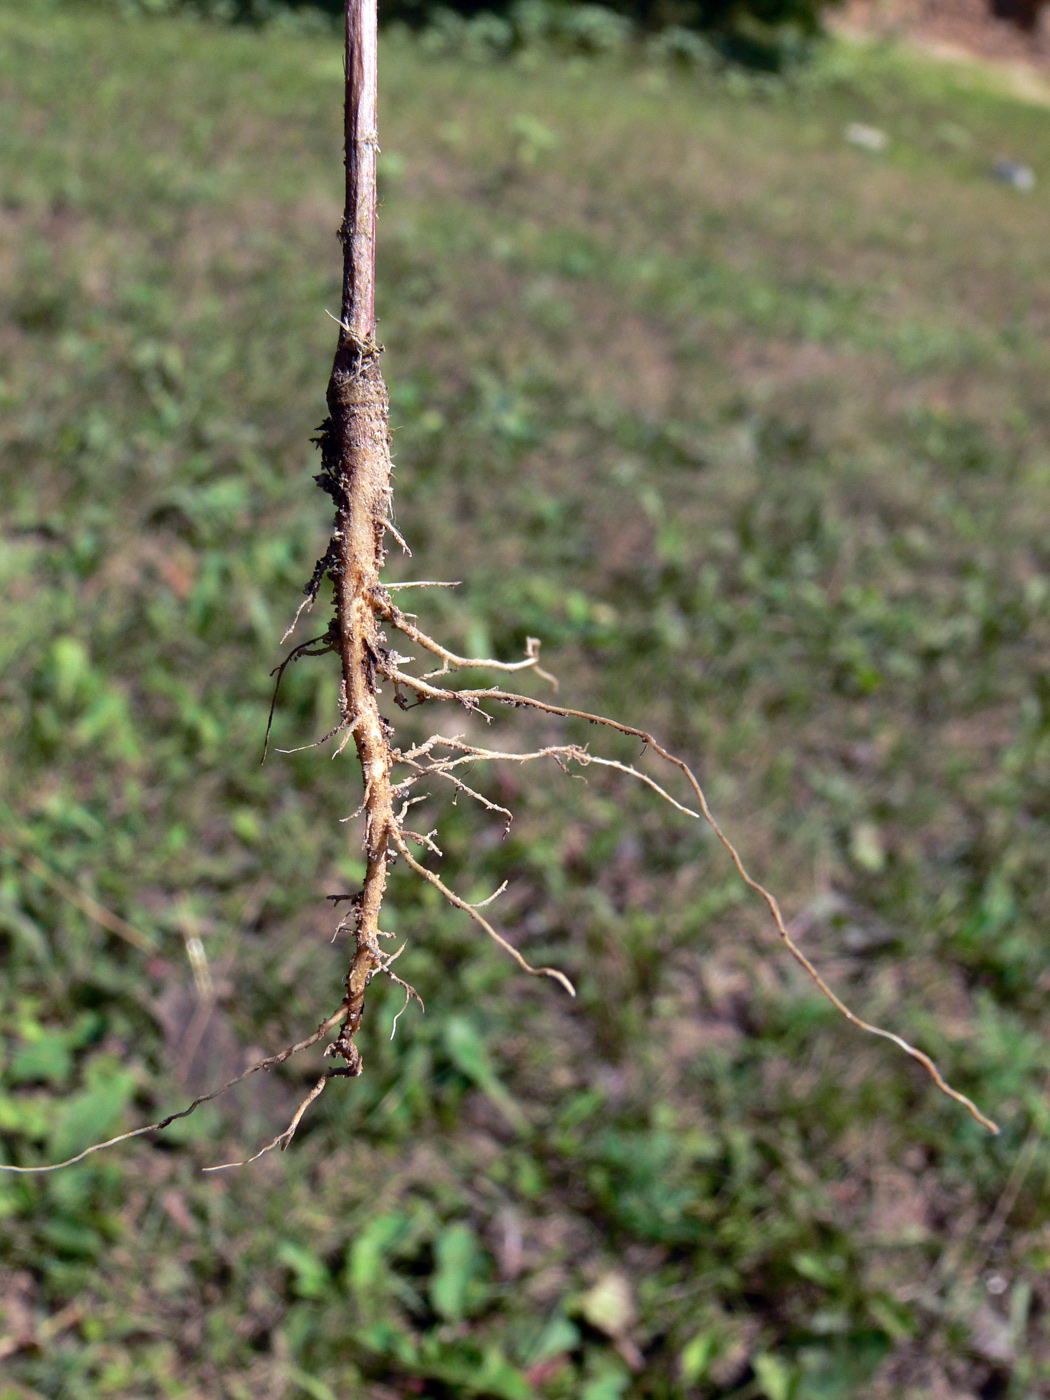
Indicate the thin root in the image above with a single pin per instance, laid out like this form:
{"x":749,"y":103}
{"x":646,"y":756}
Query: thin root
{"x":527,"y":702}
{"x":471,"y":909}
{"x":421,"y":583}
{"x":271,"y":1062}
{"x":283,"y":1139}
{"x":449,"y":660}
{"x":303,"y":649}
{"x":570,"y":753}
{"x":317,"y":743}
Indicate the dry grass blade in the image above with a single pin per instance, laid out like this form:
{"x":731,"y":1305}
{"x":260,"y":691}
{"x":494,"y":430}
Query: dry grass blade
{"x":86,"y":904}
{"x":46,"y":1332}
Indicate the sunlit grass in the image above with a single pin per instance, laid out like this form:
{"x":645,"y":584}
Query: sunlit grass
{"x":749,"y":426}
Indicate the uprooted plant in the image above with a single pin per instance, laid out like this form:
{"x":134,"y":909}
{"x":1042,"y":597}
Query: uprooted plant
{"x":365,"y":630}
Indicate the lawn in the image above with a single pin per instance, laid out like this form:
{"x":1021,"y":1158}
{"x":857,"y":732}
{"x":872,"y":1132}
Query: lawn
{"x":750,"y":427}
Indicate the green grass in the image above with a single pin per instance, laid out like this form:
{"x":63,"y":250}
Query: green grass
{"x":750,"y":428}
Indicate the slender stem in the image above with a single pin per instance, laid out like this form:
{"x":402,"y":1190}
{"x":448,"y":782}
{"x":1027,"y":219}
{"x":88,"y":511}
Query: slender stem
{"x":358,"y":233}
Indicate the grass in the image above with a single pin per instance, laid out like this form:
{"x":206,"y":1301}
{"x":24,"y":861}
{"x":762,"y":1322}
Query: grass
{"x":750,"y":428}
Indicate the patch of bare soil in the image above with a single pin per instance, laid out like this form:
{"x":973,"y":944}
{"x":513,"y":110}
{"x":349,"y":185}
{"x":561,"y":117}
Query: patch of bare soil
{"x":1010,"y":31}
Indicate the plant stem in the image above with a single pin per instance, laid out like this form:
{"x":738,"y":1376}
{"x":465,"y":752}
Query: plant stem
{"x":361,"y":146}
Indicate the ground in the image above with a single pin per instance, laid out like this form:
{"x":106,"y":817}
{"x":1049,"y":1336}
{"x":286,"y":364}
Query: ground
{"x":1002,"y":31}
{"x":749,"y":426}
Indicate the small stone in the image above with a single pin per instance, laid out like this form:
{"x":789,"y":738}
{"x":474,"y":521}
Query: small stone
{"x":1013,"y":173}
{"x":867,"y":138}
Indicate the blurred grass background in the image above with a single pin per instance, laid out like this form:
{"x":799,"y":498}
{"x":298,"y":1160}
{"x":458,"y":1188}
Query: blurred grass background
{"x":750,"y":427}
